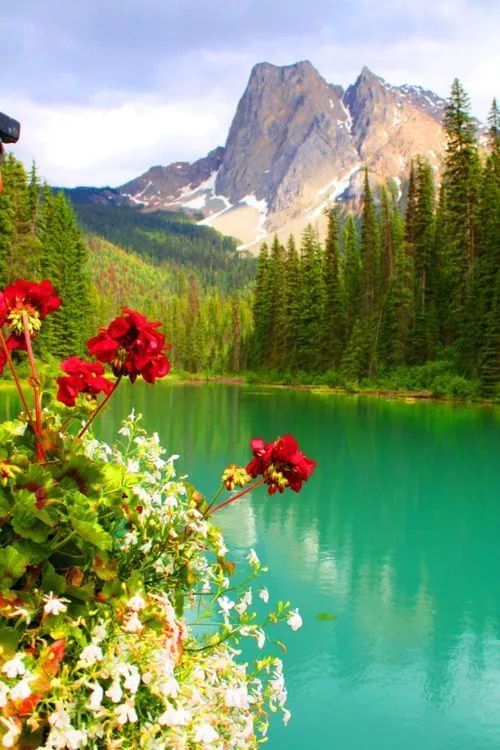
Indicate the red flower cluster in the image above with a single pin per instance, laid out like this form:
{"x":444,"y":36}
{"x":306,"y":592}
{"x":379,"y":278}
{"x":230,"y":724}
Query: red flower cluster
{"x":82,"y":377}
{"x":133,"y":346}
{"x":281,"y":463}
{"x":37,"y":300}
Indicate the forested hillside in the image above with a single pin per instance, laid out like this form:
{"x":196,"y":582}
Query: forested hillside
{"x":40,"y":238}
{"x":164,"y":236}
{"x":397,"y":288}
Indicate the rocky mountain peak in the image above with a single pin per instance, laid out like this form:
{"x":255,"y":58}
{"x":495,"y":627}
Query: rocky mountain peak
{"x":296,"y":144}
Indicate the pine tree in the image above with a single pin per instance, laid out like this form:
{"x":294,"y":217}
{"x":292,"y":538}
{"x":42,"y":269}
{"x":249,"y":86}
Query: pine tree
{"x":461,"y":190}
{"x":262,"y":309}
{"x":424,"y":334}
{"x":276,"y":353}
{"x":369,"y":251}
{"x":352,"y":273}
{"x":292,"y":284}
{"x":311,"y":302}
{"x":333,"y":334}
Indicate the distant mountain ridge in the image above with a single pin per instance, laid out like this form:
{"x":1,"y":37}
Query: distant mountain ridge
{"x":296,"y":144}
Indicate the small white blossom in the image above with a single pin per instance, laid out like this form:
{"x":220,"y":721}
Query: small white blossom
{"x":115,"y":692}
{"x":22,"y":690}
{"x":130,"y":539}
{"x":175,"y":717}
{"x":54,"y":605}
{"x":244,"y":602}
{"x":170,"y":687}
{"x":60,"y":719}
{"x":261,"y":639}
{"x":253,"y":558}
{"x":133,"y":624}
{"x":96,"y":697}
{"x":90,"y":655}
{"x":99,"y":633}
{"x":264,"y":595}
{"x":225,"y":604}
{"x":286,"y":716}
{"x":13,"y":728}
{"x":136,"y":603}
{"x":205,"y":734}
{"x":124,"y":431}
{"x":133,"y":466}
{"x":294,"y":619}
{"x":236,"y":698}
{"x":126,"y":713}
{"x":14,"y":667}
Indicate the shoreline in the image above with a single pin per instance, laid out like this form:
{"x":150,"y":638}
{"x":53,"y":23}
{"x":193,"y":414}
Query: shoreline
{"x":405,"y":395}
{"x":402,"y":395}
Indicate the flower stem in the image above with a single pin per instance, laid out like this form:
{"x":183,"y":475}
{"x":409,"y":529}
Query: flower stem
{"x":99,"y":408}
{"x":237,"y":496}
{"x":16,"y":380}
{"x":35,"y":385}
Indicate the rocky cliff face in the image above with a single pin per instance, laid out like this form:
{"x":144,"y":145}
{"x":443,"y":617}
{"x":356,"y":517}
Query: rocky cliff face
{"x":296,"y":144}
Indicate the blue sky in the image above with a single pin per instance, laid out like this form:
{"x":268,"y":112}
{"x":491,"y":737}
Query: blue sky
{"x":106,"y":88}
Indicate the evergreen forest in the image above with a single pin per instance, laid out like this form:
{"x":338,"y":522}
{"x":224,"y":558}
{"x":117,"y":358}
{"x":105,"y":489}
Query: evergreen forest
{"x":403,"y":294}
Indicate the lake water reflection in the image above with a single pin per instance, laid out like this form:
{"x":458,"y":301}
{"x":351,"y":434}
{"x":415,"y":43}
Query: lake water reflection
{"x":396,"y":535}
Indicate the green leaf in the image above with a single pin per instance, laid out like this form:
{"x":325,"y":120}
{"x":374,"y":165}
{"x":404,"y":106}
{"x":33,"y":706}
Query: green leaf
{"x":13,"y":565}
{"x":92,"y":532}
{"x":52,"y":581}
{"x":9,"y":638}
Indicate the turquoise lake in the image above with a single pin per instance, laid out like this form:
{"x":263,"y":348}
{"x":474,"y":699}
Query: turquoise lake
{"x":397,"y":535}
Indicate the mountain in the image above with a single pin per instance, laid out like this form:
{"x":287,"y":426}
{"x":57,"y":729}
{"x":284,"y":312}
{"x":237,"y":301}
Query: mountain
{"x":296,"y":144}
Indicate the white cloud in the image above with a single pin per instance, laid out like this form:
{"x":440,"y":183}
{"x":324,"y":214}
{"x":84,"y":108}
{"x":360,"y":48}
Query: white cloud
{"x":82,"y":145}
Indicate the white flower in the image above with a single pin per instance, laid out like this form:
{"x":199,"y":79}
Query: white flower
{"x":130,"y":539}
{"x":9,"y":739}
{"x":124,"y":431}
{"x":225,"y":604}
{"x":133,"y":624}
{"x":133,"y":466}
{"x":14,"y":667}
{"x":205,"y":734}
{"x":286,"y":716}
{"x":236,"y":698}
{"x":132,"y":680}
{"x":170,"y":687}
{"x":22,"y":690}
{"x":54,"y":605}
{"x":264,"y":595}
{"x":68,"y":739}
{"x":60,"y":719}
{"x":115,"y":692}
{"x":126,"y":713}
{"x":99,"y":633}
{"x":294,"y":619}
{"x":244,"y":602}
{"x":175,"y":717}
{"x":96,"y":697}
{"x":136,"y":603}
{"x":252,"y":558}
{"x":4,"y":693}
{"x":23,"y":613}
{"x":261,"y":639}
{"x":90,"y":655}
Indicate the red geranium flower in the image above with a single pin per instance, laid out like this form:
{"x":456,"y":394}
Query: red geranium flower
{"x":82,"y":377}
{"x":133,"y":346}
{"x":36,"y":299}
{"x":281,"y":463}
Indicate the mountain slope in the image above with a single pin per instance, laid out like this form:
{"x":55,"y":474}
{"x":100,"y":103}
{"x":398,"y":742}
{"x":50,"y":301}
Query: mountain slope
{"x":297,"y":143}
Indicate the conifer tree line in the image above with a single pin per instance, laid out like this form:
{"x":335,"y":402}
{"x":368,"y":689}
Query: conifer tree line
{"x":40,"y":239}
{"x":408,"y":282}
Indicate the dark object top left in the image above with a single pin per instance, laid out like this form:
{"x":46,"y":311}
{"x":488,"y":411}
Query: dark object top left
{"x":9,"y":129}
